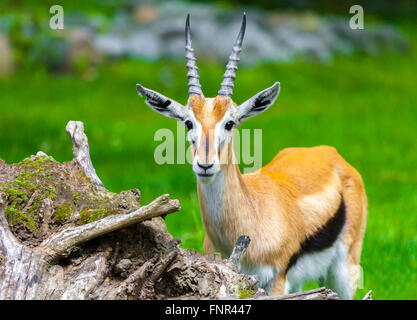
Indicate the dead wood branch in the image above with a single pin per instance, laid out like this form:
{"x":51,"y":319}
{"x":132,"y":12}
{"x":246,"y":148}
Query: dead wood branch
{"x":315,"y":294}
{"x":8,"y":241}
{"x":81,"y":150}
{"x":59,"y":243}
{"x":240,"y":247}
{"x":148,"y":286}
{"x":368,"y":296}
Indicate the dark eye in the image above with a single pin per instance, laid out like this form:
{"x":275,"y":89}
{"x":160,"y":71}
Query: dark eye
{"x":189,"y":124}
{"x":229,"y":125}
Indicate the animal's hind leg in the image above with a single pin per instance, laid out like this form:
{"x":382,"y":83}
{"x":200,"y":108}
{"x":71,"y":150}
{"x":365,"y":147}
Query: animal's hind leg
{"x":356,"y":210}
{"x":355,"y":271}
{"x":339,"y":279}
{"x":292,"y":287}
{"x":353,"y":263}
{"x":321,"y":281}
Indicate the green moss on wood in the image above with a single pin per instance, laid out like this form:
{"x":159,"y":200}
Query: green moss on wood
{"x":63,"y":212}
{"x":16,"y":195}
{"x":87,"y":216}
{"x":33,"y":182}
{"x":39,"y":178}
{"x":15,"y":215}
{"x":245,"y":294}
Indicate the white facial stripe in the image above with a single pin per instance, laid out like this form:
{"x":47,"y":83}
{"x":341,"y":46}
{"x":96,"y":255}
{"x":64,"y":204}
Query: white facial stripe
{"x":222,"y":135}
{"x":195,"y":133}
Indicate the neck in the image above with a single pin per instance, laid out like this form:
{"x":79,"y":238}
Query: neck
{"x":224,"y":203}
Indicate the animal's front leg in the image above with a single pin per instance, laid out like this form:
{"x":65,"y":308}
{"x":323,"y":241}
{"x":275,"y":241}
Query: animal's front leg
{"x":208,"y":246}
{"x":279,"y":285}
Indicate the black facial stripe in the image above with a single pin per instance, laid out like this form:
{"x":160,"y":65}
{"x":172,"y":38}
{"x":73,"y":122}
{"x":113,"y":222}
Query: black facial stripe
{"x":324,"y":237}
{"x":207,"y":147}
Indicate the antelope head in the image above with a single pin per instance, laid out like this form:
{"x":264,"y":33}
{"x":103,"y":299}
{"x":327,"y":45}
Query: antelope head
{"x":209,"y":121}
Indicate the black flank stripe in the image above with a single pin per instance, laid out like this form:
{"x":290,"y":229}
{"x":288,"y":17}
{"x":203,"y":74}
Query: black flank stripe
{"x":324,"y":237}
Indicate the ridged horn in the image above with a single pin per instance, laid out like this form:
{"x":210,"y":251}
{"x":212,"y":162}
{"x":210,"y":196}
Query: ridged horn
{"x":194,"y":86}
{"x":226,"y":88}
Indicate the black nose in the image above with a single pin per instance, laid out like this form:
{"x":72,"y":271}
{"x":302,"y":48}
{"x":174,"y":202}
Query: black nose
{"x":204,"y":166}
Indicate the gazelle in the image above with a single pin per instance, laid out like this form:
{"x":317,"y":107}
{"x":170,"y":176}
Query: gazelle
{"x":305,"y":211}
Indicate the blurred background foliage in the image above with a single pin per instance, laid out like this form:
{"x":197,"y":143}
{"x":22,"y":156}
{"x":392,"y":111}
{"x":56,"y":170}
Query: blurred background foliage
{"x":352,"y":89}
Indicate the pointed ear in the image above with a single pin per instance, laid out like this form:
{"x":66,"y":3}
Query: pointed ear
{"x":258,"y":103}
{"x":162,"y":104}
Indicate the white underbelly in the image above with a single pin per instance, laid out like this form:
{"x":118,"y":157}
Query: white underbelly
{"x":309,"y":266}
{"x":313,"y":266}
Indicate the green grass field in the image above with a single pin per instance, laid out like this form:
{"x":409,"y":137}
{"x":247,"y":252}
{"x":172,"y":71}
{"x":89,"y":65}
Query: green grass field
{"x":364,"y":106}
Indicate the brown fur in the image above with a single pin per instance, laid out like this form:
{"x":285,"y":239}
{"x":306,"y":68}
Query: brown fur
{"x":284,"y":202}
{"x":209,"y":113}
{"x":265,"y":206}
